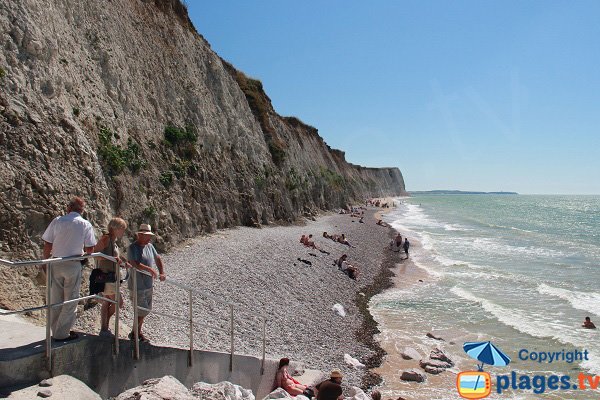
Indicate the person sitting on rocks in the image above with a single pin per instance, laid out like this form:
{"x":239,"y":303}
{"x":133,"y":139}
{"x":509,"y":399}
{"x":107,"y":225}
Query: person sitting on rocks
{"x":303,"y":239}
{"x":284,"y":380}
{"x":342,"y":239}
{"x":331,"y":389}
{"x":346,"y":267}
{"x":381,"y":223}
{"x":376,"y":395}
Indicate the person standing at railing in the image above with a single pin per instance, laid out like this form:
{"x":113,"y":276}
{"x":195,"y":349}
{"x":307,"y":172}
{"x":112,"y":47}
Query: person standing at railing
{"x":107,"y":244}
{"x":143,"y":256}
{"x":68,"y":235}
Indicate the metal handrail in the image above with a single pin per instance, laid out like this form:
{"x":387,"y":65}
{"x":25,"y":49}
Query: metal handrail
{"x":171,"y":282}
{"x":51,"y":261}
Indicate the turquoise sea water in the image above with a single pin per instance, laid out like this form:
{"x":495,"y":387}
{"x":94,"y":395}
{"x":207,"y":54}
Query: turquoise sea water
{"x":522,"y":271}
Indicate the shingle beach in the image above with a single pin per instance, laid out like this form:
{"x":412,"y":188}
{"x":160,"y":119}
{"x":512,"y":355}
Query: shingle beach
{"x":261,"y":271}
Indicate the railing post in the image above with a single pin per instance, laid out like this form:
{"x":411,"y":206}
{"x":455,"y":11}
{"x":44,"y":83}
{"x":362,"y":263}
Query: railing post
{"x":136,"y":338}
{"x":117,"y":304}
{"x":191,"y":329}
{"x":48,"y":317}
{"x":232,"y":338}
{"x":264,"y":345}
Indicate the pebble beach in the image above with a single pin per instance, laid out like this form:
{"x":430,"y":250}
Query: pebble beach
{"x":266,"y":272}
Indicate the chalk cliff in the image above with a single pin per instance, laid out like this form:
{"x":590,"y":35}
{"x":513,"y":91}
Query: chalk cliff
{"x":125,"y":104}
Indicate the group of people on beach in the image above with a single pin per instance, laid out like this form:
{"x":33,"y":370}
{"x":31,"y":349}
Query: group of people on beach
{"x":396,"y":244}
{"x":338,"y":238}
{"x":71,"y":235}
{"x":329,"y":389}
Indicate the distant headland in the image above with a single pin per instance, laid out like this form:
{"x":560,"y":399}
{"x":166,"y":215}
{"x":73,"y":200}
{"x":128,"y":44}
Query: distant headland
{"x":456,"y":192}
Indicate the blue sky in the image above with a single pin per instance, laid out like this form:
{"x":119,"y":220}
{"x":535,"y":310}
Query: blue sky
{"x":470,"y":95}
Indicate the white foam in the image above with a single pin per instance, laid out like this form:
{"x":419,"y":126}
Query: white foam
{"x":586,"y":301}
{"x":536,"y":325}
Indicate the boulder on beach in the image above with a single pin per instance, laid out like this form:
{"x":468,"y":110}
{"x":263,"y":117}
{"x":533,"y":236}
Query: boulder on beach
{"x":280,"y":393}
{"x":221,"y":391}
{"x":413,"y":376}
{"x":356,"y":393}
{"x":438,"y":354}
{"x":410,"y":353}
{"x":434,"y":371}
{"x":434,"y":364}
{"x":163,"y":388}
{"x":353,"y":362}
{"x":432,"y":336}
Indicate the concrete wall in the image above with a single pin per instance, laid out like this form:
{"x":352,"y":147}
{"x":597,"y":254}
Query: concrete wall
{"x":91,"y":360}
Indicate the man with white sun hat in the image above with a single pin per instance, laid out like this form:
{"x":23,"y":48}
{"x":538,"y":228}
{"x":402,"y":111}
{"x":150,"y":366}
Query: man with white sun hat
{"x":143,"y":256}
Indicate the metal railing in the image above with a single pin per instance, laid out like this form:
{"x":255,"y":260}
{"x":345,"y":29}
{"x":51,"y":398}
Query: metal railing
{"x":136,"y":348}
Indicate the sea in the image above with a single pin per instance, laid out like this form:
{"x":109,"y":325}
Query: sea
{"x":521,"y":271}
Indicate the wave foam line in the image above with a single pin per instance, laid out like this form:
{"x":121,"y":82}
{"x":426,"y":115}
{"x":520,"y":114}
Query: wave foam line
{"x":586,"y":301}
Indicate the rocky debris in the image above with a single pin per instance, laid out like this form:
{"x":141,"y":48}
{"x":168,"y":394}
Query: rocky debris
{"x":169,"y":388}
{"x":438,"y":354}
{"x":433,"y":370}
{"x":220,"y":391}
{"x":280,"y":393}
{"x":46,"y":383}
{"x":413,"y":376}
{"x":434,"y":364}
{"x":438,"y":362}
{"x":44,"y":393}
{"x":165,"y":388}
{"x":432,"y":336}
{"x":356,"y":393}
{"x":410,"y":353}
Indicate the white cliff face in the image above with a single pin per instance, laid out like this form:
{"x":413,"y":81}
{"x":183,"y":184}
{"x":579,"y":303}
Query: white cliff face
{"x":87,"y":88}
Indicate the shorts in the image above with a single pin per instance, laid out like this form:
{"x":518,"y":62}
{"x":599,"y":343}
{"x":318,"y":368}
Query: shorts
{"x":109,"y":288}
{"x":144,"y":299}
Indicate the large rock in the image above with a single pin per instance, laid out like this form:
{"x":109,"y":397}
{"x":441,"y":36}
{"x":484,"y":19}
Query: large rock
{"x":356,"y":393}
{"x":433,"y":370}
{"x":165,"y":388}
{"x":438,"y":354}
{"x":280,"y":393}
{"x":410,"y":354}
{"x":434,"y":364}
{"x":432,"y":336}
{"x":220,"y":391}
{"x":413,"y":376}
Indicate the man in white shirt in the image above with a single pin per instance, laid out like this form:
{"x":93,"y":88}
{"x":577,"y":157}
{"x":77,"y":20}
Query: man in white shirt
{"x":69,"y":235}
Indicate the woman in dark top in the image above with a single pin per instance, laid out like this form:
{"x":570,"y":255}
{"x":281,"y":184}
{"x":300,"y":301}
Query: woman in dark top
{"x":107,"y":245}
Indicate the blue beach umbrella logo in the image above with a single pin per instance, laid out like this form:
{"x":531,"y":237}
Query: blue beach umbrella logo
{"x":486,"y":353}
{"x":477,"y":384}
